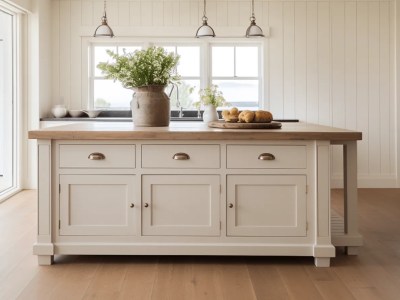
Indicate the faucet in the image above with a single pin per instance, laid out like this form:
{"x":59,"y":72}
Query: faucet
{"x":178,"y":103}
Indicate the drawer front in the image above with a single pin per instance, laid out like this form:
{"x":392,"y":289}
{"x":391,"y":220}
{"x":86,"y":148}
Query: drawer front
{"x":181,"y":156}
{"x":97,"y":156}
{"x":266,"y":157}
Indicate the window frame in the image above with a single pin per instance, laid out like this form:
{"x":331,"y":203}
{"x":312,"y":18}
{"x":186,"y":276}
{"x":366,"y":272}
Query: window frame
{"x":205,"y":59}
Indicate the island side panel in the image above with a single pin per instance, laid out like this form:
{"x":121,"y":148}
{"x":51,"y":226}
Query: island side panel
{"x":44,"y":247}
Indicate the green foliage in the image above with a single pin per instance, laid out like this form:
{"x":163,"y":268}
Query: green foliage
{"x":211,"y":95}
{"x":152,"y":66}
{"x":101,"y":103}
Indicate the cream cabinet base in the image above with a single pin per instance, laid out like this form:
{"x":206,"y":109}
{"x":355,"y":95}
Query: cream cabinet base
{"x":190,"y":201}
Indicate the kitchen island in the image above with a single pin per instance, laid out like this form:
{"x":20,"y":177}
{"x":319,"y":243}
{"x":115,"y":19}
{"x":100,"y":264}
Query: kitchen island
{"x":186,"y":189}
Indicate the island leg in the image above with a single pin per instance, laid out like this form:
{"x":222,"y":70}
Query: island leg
{"x":350,"y":194}
{"x":322,"y":261}
{"x":45,"y":260}
{"x":44,"y":247}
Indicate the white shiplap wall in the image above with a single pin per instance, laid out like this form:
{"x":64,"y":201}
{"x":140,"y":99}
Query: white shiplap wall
{"x":328,"y":62}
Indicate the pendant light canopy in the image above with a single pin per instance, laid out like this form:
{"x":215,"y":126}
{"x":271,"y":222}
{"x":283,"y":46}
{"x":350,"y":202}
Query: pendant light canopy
{"x":205,"y":30}
{"x":253,"y":30}
{"x":104,"y":30}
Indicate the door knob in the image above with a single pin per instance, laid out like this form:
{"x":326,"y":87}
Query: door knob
{"x":132,"y":205}
{"x":230,"y":205}
{"x":146,"y":205}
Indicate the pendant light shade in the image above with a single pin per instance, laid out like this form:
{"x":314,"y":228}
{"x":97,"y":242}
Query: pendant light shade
{"x":104,"y":30}
{"x":205,"y":30}
{"x":253,"y":30}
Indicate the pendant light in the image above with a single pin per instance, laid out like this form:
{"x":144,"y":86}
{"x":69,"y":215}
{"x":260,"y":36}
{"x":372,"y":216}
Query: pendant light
{"x":104,"y":30}
{"x":205,"y":30}
{"x":253,"y":30}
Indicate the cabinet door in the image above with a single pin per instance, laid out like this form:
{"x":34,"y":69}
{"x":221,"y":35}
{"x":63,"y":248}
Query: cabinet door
{"x":181,"y":205}
{"x":97,"y":205}
{"x":266,"y":205}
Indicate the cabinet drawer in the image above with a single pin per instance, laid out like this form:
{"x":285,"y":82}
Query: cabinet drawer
{"x":181,"y":156}
{"x":97,"y":156}
{"x":266,"y":157}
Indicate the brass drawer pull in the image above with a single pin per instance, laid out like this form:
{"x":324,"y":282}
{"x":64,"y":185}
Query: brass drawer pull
{"x":181,"y":156}
{"x":96,"y":156}
{"x":266,"y":156}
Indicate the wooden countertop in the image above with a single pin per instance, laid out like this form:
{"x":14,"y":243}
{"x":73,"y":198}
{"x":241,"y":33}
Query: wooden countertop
{"x":191,"y":131}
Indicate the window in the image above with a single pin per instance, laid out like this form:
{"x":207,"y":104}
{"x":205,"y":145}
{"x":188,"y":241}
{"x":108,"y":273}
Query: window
{"x":236,"y":71}
{"x":235,"y":67}
{"x":107,"y":94}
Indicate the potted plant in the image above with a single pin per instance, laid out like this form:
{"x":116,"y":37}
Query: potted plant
{"x":210,"y":99}
{"x":147,"y":72}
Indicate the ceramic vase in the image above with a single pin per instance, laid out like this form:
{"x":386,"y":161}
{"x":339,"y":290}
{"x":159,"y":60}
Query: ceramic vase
{"x":210,"y":113}
{"x":150,"y":106}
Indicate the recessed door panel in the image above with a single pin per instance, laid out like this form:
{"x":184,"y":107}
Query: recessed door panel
{"x":97,"y":205}
{"x":180,"y":205}
{"x":266,"y":205}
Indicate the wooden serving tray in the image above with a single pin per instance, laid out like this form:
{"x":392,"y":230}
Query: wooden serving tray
{"x":228,"y":125}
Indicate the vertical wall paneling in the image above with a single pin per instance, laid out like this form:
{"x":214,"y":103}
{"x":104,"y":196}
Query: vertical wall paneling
{"x":338,"y":78}
{"x":112,"y":12}
{"x":135,"y":15}
{"x":75,"y":79}
{"x":65,"y":53}
{"x":276,"y":59}
{"x":87,"y":13}
{"x":158,"y":13}
{"x":194,"y":14}
{"x":300,"y":60}
{"x":123,"y":13}
{"x":168,"y":14}
{"x":245,"y":13}
{"x":233,"y":13}
{"x":312,"y":62}
{"x":211,"y":13}
{"x":329,"y":62}
{"x":258,"y":10}
{"x":394,"y":81}
{"x":373,"y":92}
{"x":146,"y":11}
{"x":266,"y":100}
{"x":324,"y":64}
{"x":184,"y":13}
{"x":98,"y":10}
{"x":288,"y":60}
{"x":384,"y":86}
{"x":350,"y":64}
{"x":55,"y":84}
{"x":362,"y":84}
{"x":222,"y":13}
{"x":175,"y":15}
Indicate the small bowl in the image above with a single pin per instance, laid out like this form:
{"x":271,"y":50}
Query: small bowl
{"x":92,"y":113}
{"x":75,"y":113}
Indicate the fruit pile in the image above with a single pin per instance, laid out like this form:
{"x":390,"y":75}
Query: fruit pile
{"x":247,"y":116}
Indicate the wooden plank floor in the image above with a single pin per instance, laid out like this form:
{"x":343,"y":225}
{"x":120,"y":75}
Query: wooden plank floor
{"x":374,"y":274}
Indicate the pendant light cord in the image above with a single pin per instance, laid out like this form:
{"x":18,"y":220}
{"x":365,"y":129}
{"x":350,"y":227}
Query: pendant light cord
{"x":204,"y":9}
{"x":252,"y":18}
